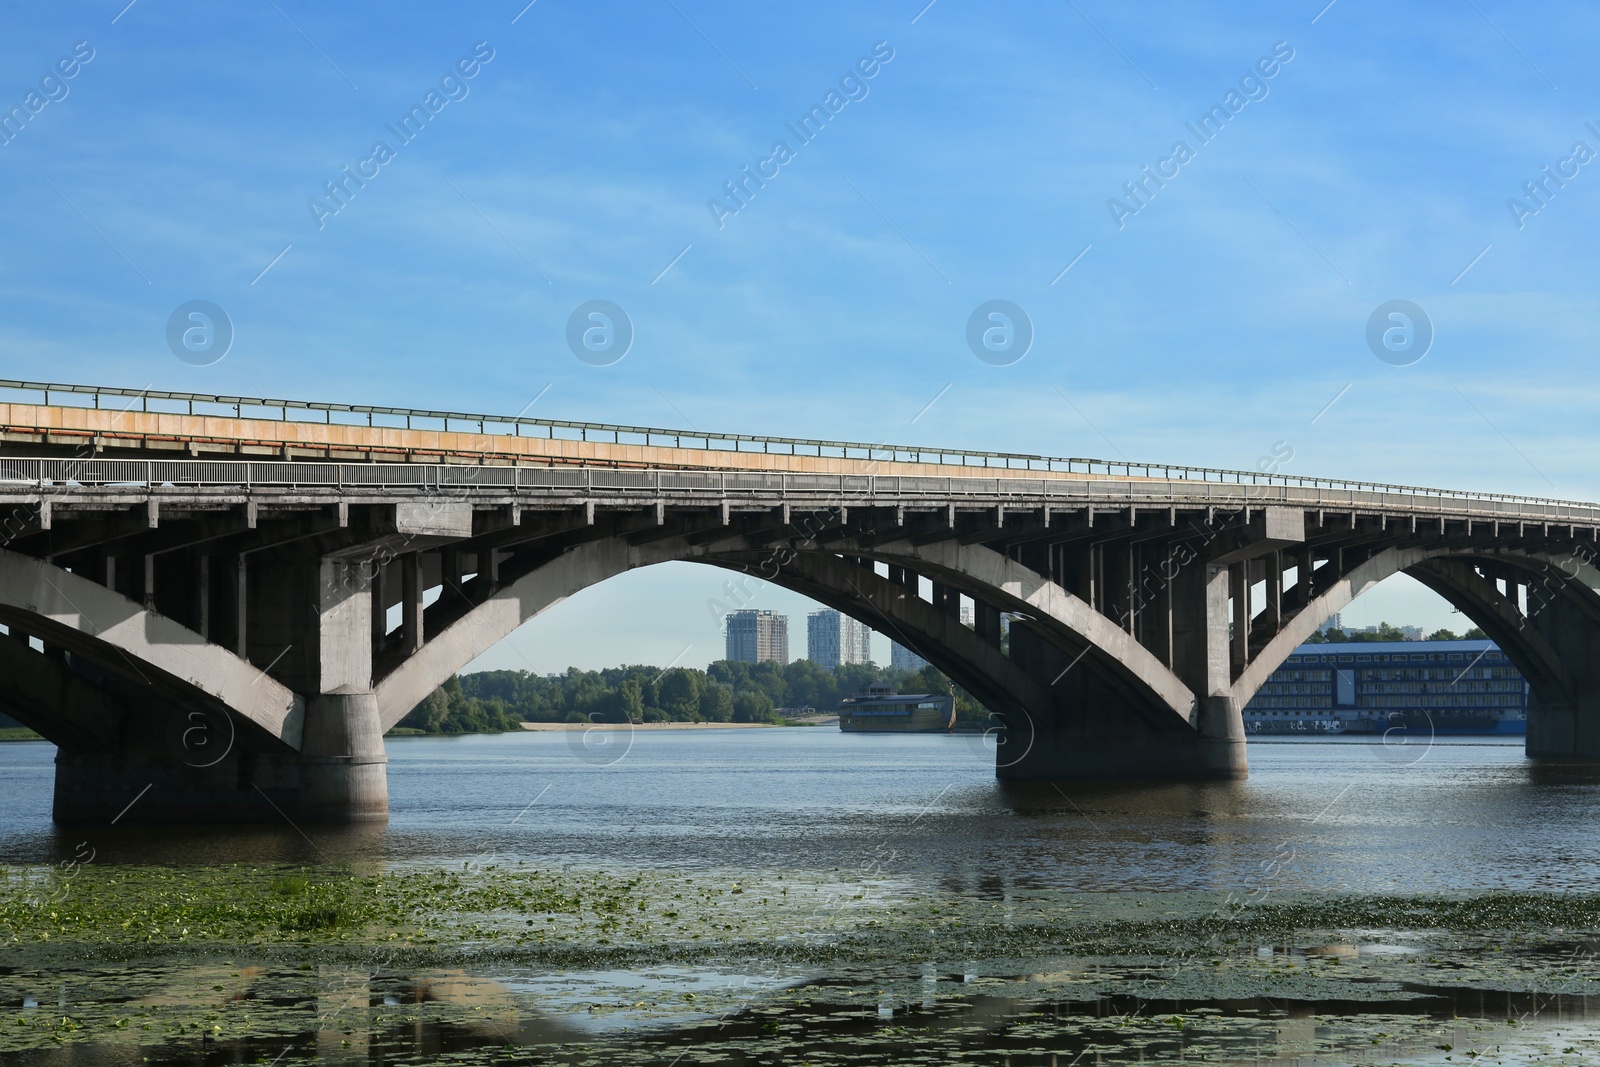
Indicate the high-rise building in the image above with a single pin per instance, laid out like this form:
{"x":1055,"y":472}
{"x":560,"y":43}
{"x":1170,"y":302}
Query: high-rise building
{"x":756,"y":636}
{"x":902,"y":657}
{"x":833,"y":638}
{"x":966,"y":614}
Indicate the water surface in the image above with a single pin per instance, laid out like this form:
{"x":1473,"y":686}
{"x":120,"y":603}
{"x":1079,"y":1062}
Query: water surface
{"x":1332,"y":815}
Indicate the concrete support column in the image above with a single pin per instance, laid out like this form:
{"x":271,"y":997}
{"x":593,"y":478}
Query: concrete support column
{"x":203,"y":594}
{"x":450,"y":572}
{"x":1077,"y":567}
{"x":411,"y":636}
{"x":912,"y":581}
{"x":1305,"y":560}
{"x":1202,"y":654}
{"x":1272,"y":617}
{"x":343,"y":768}
{"x":1116,"y":567}
{"x":344,"y":628}
{"x":241,"y":603}
{"x":986,"y":621}
{"x":1239,"y":643}
{"x":380,"y":603}
{"x":1155,"y":591}
{"x":488,"y":573}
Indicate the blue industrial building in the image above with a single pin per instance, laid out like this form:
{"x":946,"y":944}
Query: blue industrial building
{"x":1460,"y":687}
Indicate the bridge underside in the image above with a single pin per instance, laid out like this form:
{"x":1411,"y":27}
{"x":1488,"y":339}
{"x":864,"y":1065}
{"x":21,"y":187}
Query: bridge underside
{"x":237,"y":654}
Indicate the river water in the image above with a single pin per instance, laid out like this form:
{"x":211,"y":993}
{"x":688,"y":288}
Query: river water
{"x":924,"y":813}
{"x":1461,"y":814}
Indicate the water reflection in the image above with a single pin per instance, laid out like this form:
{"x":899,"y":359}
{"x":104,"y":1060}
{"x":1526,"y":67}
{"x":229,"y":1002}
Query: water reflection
{"x":357,"y":1017}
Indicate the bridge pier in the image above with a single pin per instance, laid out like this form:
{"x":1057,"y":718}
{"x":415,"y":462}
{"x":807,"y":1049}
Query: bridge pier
{"x":1119,"y":745}
{"x":198,"y":770}
{"x":342,"y":764}
{"x":141,"y":745}
{"x":1564,"y":713}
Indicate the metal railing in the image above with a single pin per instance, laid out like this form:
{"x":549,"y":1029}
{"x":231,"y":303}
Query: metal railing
{"x":45,"y":477}
{"x":148,"y":400}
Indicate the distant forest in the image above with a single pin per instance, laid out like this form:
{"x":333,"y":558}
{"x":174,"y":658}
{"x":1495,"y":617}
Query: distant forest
{"x":726,"y":691}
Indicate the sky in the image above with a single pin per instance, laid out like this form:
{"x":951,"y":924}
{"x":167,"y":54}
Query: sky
{"x":1216,"y":314}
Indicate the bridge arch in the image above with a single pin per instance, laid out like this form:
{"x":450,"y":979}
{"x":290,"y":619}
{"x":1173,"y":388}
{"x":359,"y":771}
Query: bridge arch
{"x":124,"y":639}
{"x":1091,"y":639}
{"x":979,"y":667}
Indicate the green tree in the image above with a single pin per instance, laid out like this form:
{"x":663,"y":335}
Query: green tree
{"x":716,"y":702}
{"x":679,"y":693}
{"x":631,"y":700}
{"x":753,"y":705}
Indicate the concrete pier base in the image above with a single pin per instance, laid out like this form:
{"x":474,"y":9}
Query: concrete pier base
{"x":1564,"y":713}
{"x":343,"y":768}
{"x":1120,"y":749}
{"x":340,"y":776}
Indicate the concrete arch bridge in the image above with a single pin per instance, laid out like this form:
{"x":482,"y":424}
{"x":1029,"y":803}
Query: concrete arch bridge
{"x":217,"y":606}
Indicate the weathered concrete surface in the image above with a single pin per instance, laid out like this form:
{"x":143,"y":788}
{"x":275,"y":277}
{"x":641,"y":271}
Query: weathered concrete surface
{"x":71,"y":607}
{"x":197,"y":434}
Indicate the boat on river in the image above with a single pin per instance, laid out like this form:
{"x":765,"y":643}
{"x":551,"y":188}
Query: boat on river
{"x":878,"y":709}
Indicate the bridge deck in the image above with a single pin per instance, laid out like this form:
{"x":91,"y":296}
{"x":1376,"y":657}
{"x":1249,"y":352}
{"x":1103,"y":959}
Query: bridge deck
{"x":345,"y":450}
{"x":210,"y":484}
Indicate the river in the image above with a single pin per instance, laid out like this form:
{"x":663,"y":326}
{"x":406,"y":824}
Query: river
{"x":921,"y":818}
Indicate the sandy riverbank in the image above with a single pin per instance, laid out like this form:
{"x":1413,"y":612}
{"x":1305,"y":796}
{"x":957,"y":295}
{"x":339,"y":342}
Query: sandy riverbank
{"x":645,"y":725}
{"x":831,"y":720}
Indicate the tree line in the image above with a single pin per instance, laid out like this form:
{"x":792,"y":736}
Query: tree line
{"x":726,"y":691}
{"x":1386,"y":632}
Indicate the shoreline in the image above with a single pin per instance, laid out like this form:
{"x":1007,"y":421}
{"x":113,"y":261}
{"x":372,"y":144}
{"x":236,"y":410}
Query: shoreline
{"x":541,"y":727}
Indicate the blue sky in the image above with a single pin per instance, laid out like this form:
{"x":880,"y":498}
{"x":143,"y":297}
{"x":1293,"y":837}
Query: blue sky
{"x":1219,"y":320}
